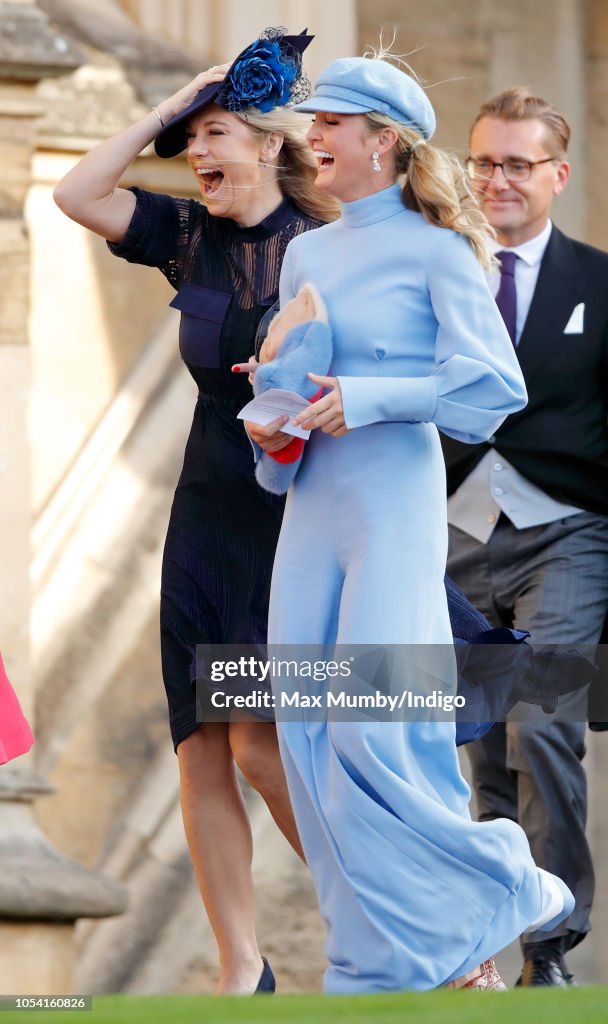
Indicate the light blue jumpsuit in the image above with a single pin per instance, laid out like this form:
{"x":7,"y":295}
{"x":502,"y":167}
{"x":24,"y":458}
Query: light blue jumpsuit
{"x":413,"y":893}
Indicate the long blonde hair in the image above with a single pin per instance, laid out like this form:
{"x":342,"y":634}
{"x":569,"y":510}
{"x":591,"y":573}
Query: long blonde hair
{"x":436,"y":185}
{"x":297,"y":167}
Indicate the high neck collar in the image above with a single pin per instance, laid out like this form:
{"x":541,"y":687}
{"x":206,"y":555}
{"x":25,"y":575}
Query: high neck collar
{"x":275,"y":221}
{"x":371,"y":209}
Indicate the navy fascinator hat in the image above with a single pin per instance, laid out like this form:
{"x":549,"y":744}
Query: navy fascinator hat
{"x":266,"y":74}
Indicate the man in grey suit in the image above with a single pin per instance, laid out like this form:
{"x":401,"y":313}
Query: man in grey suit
{"x":528,"y":510}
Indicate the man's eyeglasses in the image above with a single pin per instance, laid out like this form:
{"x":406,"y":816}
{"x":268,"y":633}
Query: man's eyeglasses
{"x":513,"y":170}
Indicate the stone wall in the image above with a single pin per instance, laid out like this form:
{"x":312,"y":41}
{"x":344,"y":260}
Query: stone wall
{"x":223,"y":27}
{"x":596,"y":126}
{"x":90,"y":317}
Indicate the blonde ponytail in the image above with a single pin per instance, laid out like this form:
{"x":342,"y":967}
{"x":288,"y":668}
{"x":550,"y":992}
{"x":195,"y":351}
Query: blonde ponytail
{"x":297,"y":167}
{"x":436,"y":185}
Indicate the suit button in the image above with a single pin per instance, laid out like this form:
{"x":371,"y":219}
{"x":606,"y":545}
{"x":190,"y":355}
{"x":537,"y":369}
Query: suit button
{"x":491,"y":518}
{"x":497,"y":467}
{"x":498,"y":490}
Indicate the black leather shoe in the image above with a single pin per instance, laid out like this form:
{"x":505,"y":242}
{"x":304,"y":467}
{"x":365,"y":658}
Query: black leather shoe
{"x":267,"y":983}
{"x":545,"y":971}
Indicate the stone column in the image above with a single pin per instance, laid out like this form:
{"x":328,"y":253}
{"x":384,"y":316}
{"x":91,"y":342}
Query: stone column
{"x":596,"y":128}
{"x":333,"y":25}
{"x":42,"y":893}
{"x":221,"y":28}
{"x":189,"y":23}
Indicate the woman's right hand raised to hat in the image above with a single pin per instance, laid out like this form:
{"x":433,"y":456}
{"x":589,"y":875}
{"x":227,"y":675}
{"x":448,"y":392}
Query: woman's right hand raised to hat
{"x":90,"y":193}
{"x":183,"y":97}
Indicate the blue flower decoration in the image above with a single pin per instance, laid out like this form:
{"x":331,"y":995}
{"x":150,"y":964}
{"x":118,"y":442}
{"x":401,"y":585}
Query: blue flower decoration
{"x":262,"y":77}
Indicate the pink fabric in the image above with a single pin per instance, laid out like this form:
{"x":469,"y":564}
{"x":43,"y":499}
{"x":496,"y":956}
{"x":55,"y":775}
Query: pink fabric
{"x":15,"y":734}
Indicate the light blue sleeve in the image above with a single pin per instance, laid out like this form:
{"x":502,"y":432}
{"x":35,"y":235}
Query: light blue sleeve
{"x":287,"y":290}
{"x":257,"y":450}
{"x":476,"y":382}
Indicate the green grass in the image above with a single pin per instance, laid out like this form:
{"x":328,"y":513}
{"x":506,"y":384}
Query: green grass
{"x":557,"y":1006}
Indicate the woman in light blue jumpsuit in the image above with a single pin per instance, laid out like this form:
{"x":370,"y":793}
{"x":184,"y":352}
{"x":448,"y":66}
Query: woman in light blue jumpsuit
{"x":414,"y":894}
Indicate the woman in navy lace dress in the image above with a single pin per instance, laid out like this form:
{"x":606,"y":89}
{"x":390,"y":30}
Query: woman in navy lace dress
{"x":223,"y":257}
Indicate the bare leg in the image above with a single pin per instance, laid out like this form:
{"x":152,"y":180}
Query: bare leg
{"x":219,"y":838}
{"x":256,"y":751}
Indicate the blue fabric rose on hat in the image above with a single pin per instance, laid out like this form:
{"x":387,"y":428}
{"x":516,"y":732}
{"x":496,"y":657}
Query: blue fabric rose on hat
{"x":261,"y":77}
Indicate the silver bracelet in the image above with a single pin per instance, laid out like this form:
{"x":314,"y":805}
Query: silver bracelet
{"x":155,"y":111}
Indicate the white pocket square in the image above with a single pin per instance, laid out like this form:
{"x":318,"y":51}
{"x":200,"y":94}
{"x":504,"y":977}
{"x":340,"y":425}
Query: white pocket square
{"x":575,"y":323}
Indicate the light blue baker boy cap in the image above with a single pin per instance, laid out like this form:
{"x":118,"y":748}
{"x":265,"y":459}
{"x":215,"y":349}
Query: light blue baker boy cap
{"x":359,"y":85}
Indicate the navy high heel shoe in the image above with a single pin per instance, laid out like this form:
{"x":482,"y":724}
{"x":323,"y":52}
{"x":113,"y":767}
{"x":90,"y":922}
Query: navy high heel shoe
{"x":267,"y":983}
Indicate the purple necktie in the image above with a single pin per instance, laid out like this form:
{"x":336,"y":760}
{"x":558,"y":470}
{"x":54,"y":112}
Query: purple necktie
{"x":506,"y":296}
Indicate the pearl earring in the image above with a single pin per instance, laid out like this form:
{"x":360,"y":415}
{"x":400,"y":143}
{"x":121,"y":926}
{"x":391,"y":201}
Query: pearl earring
{"x":376,"y":161}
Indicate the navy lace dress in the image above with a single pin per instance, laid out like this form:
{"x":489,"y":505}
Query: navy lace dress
{"x":223,"y":528}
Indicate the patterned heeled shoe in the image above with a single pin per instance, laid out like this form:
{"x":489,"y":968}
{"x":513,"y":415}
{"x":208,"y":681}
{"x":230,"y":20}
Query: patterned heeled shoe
{"x":489,"y":980}
{"x":267,"y":984}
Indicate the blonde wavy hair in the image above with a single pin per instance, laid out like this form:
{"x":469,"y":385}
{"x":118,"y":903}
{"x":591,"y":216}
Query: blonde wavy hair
{"x":297,"y":167}
{"x":436,"y":185}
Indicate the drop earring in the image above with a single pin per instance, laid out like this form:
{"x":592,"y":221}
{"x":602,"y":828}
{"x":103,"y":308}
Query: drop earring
{"x":376,"y":161}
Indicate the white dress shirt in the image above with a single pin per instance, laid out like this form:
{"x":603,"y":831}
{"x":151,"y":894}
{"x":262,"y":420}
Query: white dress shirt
{"x":495,"y":486}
